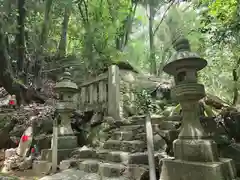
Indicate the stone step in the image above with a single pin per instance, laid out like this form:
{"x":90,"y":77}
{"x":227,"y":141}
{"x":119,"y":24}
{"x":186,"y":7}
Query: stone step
{"x":84,"y":153}
{"x":89,"y":165}
{"x":41,"y":167}
{"x":46,"y":154}
{"x":137,"y":120}
{"x":111,"y":169}
{"x":127,"y":146}
{"x":140,"y":128}
{"x":124,"y":157}
{"x":128,"y":136}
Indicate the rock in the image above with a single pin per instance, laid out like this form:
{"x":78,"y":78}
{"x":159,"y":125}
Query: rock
{"x":97,"y":118}
{"x":18,"y":130}
{"x":26,"y":164}
{"x":70,"y":174}
{"x":67,"y":164}
{"x":10,"y":152}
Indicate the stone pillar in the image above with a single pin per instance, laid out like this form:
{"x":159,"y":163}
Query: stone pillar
{"x":196,"y":155}
{"x":114,"y":106}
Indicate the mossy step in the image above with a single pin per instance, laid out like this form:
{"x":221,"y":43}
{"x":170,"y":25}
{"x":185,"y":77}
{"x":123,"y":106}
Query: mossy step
{"x":111,"y":169}
{"x":124,"y":157}
{"x":84,"y":153}
{"x":128,"y":136}
{"x":89,"y":165}
{"x":164,"y":125}
{"x":134,"y":120}
{"x":127,"y":146}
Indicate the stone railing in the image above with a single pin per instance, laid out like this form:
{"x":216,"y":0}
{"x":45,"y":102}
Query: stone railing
{"x":101,"y":93}
{"x":109,"y":91}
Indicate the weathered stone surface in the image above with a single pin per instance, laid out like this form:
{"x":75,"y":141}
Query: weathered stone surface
{"x":84,"y":152}
{"x":10,"y":152}
{"x":70,"y":174}
{"x":195,"y":150}
{"x":67,"y":142}
{"x":8,"y":178}
{"x":24,"y":146}
{"x":111,"y":169}
{"x":25,"y":164}
{"x":128,"y":146}
{"x":89,"y":166}
{"x":128,"y":136}
{"x":41,"y":167}
{"x":178,"y":170}
{"x":67,"y":164}
{"x":46,"y":154}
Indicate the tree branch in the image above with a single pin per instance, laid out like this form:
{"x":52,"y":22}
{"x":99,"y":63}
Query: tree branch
{"x":164,"y":15}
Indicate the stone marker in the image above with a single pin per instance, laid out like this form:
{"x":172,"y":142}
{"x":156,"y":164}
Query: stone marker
{"x":25,"y":142}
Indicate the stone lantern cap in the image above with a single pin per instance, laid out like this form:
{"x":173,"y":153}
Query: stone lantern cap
{"x":184,"y":58}
{"x":66,"y":85}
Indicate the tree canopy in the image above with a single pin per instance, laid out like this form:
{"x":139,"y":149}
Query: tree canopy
{"x":39,"y":38}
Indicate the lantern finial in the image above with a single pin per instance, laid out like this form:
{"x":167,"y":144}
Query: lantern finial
{"x":182,"y":45}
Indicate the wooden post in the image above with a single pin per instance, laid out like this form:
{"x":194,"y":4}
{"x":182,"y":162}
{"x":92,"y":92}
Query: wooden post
{"x":150,"y":148}
{"x":114,"y":92}
{"x":55,"y":146}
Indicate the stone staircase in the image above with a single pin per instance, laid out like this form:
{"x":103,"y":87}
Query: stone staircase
{"x":124,"y":155}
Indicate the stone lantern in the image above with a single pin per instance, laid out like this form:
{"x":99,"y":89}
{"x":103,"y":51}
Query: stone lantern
{"x":65,"y":106}
{"x":196,"y":155}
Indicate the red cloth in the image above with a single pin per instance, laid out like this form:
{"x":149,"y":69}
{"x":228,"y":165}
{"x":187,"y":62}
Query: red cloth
{"x":24,"y":138}
{"x":32,"y":150}
{"x":11,"y":102}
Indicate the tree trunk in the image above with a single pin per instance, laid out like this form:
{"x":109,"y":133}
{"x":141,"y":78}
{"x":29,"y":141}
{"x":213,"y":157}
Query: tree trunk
{"x":7,"y":80}
{"x":63,"y":40}
{"x":235,"y":81}
{"x":153,"y":64}
{"x":20,"y":37}
{"x":42,"y":41}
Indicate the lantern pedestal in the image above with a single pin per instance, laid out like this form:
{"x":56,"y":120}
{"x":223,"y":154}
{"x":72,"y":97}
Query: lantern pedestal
{"x":188,"y":170}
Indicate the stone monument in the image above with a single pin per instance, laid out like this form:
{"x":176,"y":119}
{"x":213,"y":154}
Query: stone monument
{"x":196,"y":154}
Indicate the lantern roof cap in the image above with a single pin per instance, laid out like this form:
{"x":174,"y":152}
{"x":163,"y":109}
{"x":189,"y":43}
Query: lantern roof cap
{"x":66,"y":84}
{"x":184,"y":57}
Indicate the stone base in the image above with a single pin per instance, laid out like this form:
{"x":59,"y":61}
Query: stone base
{"x":186,"y":170}
{"x":67,"y":142}
{"x":41,"y":167}
{"x":46,"y":154}
{"x":199,"y":150}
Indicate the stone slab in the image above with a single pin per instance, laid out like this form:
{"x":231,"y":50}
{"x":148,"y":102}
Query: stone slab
{"x":128,"y":136}
{"x":199,"y":150}
{"x":70,"y":174}
{"x":67,"y":164}
{"x":46,"y":154}
{"x":186,"y":170}
{"x":89,"y":165}
{"x":83,"y":153}
{"x":111,"y":169}
{"x":124,"y":157}
{"x":127,"y":146}
{"x":67,"y":142}
{"x":41,"y":167}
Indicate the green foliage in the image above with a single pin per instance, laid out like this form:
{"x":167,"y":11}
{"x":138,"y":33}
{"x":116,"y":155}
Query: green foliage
{"x":103,"y":32}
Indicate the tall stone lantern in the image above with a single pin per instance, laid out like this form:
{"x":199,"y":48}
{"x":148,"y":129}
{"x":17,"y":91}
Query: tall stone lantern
{"x":196,"y":155}
{"x":65,"y":106}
